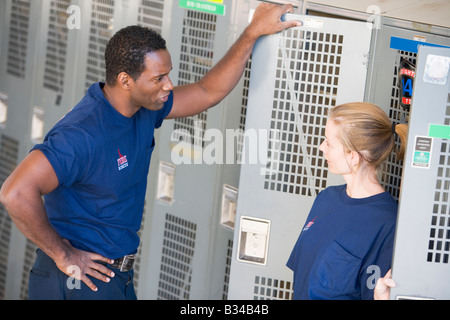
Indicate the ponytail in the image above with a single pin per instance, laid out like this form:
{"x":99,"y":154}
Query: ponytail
{"x":402,"y":131}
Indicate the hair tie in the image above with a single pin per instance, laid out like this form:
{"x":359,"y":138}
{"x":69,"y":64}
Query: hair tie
{"x":393,"y":128}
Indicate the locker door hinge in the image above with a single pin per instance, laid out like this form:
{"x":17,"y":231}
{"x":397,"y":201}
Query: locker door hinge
{"x":366,"y":59}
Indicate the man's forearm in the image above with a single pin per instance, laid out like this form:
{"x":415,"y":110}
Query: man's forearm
{"x":30,"y":217}
{"x":226,"y":74}
{"x":232,"y":65}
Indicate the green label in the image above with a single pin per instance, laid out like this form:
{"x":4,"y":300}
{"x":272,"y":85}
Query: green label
{"x":439,"y":131}
{"x":214,"y":8}
{"x":421,"y":159}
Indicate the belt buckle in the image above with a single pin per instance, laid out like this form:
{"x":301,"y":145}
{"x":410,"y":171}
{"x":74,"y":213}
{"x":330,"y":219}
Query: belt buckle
{"x":125,"y":263}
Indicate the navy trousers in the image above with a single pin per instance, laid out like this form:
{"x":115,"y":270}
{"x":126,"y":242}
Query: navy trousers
{"x":47,"y":282}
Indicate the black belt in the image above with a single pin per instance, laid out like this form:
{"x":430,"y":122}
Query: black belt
{"x":125,"y":263}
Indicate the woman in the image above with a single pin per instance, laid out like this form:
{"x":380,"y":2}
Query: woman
{"x":348,"y":237}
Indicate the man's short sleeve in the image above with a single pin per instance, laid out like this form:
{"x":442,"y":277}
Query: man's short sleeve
{"x":67,"y":150}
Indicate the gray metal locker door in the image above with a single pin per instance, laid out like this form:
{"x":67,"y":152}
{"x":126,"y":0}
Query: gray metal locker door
{"x":187,"y":245}
{"x":51,"y":96}
{"x":296,"y":76}
{"x":176,"y":228}
{"x":8,"y":157}
{"x":18,"y":70}
{"x":421,"y":265}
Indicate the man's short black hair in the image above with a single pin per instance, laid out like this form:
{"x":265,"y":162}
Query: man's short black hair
{"x":126,"y":51}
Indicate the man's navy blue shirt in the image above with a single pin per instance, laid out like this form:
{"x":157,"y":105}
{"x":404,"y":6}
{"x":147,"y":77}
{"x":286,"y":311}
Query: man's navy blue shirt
{"x":101,"y":159}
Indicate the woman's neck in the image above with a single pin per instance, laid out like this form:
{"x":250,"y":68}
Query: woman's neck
{"x":363,"y":184}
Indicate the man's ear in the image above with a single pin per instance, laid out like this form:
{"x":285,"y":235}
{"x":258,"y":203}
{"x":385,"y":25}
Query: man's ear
{"x":124,"y":81}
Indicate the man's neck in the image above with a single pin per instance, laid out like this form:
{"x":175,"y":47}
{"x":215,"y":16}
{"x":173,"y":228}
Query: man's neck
{"x":119,"y":100}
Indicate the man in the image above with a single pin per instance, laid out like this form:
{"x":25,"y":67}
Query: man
{"x":93,"y":165}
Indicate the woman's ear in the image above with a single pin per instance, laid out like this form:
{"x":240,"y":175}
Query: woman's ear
{"x":354,"y":159}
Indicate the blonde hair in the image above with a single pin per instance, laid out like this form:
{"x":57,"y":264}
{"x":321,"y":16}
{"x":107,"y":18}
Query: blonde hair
{"x":367,"y":129}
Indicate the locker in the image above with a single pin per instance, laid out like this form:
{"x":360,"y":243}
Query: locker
{"x":384,"y":86}
{"x":399,"y":40}
{"x":295,"y":77}
{"x":381,"y":86}
{"x":422,"y":247}
{"x":190,"y":241}
{"x":21,"y":23}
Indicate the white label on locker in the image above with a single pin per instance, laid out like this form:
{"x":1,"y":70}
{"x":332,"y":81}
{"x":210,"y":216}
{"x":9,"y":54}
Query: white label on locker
{"x":166,"y":180}
{"x":314,"y":23}
{"x":436,"y":69}
{"x":229,"y":202}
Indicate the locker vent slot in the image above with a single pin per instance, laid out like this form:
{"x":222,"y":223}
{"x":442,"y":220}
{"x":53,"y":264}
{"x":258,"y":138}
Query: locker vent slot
{"x":246,"y":77}
{"x":9,"y":149}
{"x":391,"y":172}
{"x":196,"y":58}
{"x":151,"y":14}
{"x":18,"y":38}
{"x":439,"y":242}
{"x":99,"y":35}
{"x":30,"y":257}
{"x":55,"y":57}
{"x":176,"y":261}
{"x":305,"y":88}
{"x":272,"y":289}
{"x":227,"y":270}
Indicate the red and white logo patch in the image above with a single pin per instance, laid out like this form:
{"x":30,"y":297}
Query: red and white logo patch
{"x":122,"y":162}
